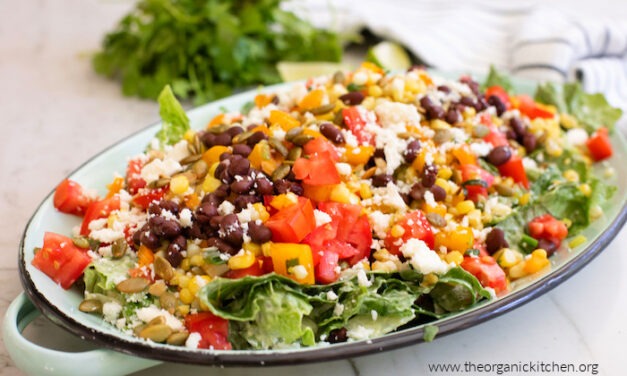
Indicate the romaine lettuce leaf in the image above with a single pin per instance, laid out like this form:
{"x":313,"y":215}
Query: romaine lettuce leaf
{"x":174,"y":119}
{"x":104,"y":273}
{"x":495,"y":78}
{"x":457,"y":290}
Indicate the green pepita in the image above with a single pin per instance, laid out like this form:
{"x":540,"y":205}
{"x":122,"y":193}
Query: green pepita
{"x":442,"y":136}
{"x":81,"y":242}
{"x":90,"y":306}
{"x":293,"y":133}
{"x":156,"y":333}
{"x":163,"y":269}
{"x":281,"y":172}
{"x":218,"y":128}
{"x":294,"y":153}
{"x":302,"y":139}
{"x":132,"y":285}
{"x":242,"y":137}
{"x":190,"y":159}
{"x":436,"y":219}
{"x":177,"y":338}
{"x":200,"y":168}
{"x":278,"y":145}
{"x":168,"y":301}
{"x":321,"y":110}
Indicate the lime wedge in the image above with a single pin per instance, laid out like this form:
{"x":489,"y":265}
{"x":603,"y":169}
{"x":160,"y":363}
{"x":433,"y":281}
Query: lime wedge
{"x":389,"y":55}
{"x":295,"y":71}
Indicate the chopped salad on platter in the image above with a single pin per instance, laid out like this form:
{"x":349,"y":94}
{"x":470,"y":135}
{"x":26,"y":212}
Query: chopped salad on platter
{"x":337,"y":209}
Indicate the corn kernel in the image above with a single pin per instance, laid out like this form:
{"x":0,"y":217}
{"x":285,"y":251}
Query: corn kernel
{"x":364,"y":191}
{"x":585,"y":189}
{"x":507,"y":258}
{"x":568,"y":121}
{"x":183,"y":281}
{"x":197,"y":282}
{"x":261,"y":211}
{"x":537,"y":261}
{"x":189,"y":136}
{"x":553,"y":148}
{"x":210,"y":184}
{"x":241,"y":261}
{"x":595,"y":212}
{"x":185,"y":264}
{"x":179,"y":184}
{"x":430,"y":279}
{"x":375,"y":91}
{"x":474,"y":219}
{"x":442,"y":183}
{"x":341,"y":193}
{"x":186,"y":296}
{"x":397,"y":231}
{"x":571,"y":175}
{"x":517,"y":271}
{"x":183,"y":309}
{"x":577,"y":241}
{"x":384,"y":266}
{"x":196,"y":260}
{"x":465,"y":207}
{"x":439,"y":124}
{"x":455,"y":257}
{"x":445,"y":173}
{"x":469,"y":113}
{"x":266,"y":249}
{"x":253,"y":248}
{"x":524,"y":199}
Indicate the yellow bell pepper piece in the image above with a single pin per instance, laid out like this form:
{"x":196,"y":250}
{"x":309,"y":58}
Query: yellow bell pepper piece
{"x":293,"y":261}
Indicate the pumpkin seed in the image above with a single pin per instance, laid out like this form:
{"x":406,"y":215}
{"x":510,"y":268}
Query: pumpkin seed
{"x":290,"y":134}
{"x":159,"y":320}
{"x":339,"y":77}
{"x":168,"y":301}
{"x":321,"y":110}
{"x":132,"y":285}
{"x":242,"y":137}
{"x":177,"y":338}
{"x":436,"y":219}
{"x":156,"y":333}
{"x":302,"y":139}
{"x":81,"y":242}
{"x":158,"y":288}
{"x":219,"y":128}
{"x":369,"y":173}
{"x":197,"y":270}
{"x":442,"y":136}
{"x":200,"y":168}
{"x":281,"y":172}
{"x":163,"y":268}
{"x":138,"y":329}
{"x":118,"y":248}
{"x":190,"y":159}
{"x":504,"y":190}
{"x":278,"y":145}
{"x":408,"y":135}
{"x":294,"y":153}
{"x":339,"y":119}
{"x":159,"y":183}
{"x":90,"y":306}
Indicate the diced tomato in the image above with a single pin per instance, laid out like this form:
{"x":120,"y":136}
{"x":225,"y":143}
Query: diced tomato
{"x":549,"y":228}
{"x":213,"y":330}
{"x":528,"y":107}
{"x":293,"y":223}
{"x":474,"y":172}
{"x":99,"y":209}
{"x":487,"y":271}
{"x":318,"y":169}
{"x":500,"y":93}
{"x":416,"y":226}
{"x":357,"y":125}
{"x":134,"y":181}
{"x":321,"y":146}
{"x":360,"y":237}
{"x":254,"y":270}
{"x":599,"y":145}
{"x":496,"y":137}
{"x":70,"y":198}
{"x":326,"y":269}
{"x":145,"y":196}
{"x":514,"y":169}
{"x":61,"y":260}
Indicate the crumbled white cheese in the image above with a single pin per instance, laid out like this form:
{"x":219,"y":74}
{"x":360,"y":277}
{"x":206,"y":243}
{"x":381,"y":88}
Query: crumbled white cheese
{"x":338,"y":309}
{"x":390,"y":114}
{"x":360,"y":78}
{"x":193,"y":340}
{"x":111,"y":311}
{"x":226,"y":208}
{"x":380,"y":223}
{"x":362,"y":278}
{"x":147,"y":314}
{"x":429,"y":199}
{"x":576,"y":136}
{"x":374,"y":314}
{"x":331,"y":295}
{"x":158,"y":168}
{"x":248,"y":214}
{"x":343,"y":169}
{"x":481,"y":148}
{"x":529,"y":164}
{"x":278,"y":133}
{"x":423,"y":259}
{"x":185,"y":218}
{"x":459,"y":135}
{"x":106,"y":235}
{"x":360,"y":332}
{"x":299,"y":271}
{"x":321,"y":217}
{"x":177,"y":152}
{"x":350,"y":138}
{"x":97,"y":224}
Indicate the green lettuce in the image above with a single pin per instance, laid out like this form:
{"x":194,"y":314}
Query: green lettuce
{"x":174,"y":119}
{"x":457,"y":290}
{"x":495,"y":78}
{"x":591,"y":110}
{"x":101,"y":276}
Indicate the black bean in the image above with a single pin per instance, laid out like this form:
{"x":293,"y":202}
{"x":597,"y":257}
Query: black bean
{"x":429,"y":175}
{"x":518,"y":127}
{"x":232,"y":230}
{"x":453,"y":116}
{"x":195,"y":231}
{"x":259,"y":233}
{"x":156,"y":225}
{"x":548,"y":246}
{"x":444,"y":89}
{"x":439,"y":194}
{"x":208,"y":139}
{"x":381,"y":180}
{"x":223,"y":139}
{"x":411,"y":152}
{"x":222,"y":191}
{"x":510,"y":134}
{"x":137,"y":237}
{"x":224,"y":156}
{"x":239,"y":166}
{"x":211,"y":198}
{"x":206,"y":211}
{"x":235,"y":130}
{"x":499,"y":155}
{"x":255,"y":138}
{"x":495,"y":101}
{"x":275,"y":100}
{"x":173,"y":252}
{"x":467,"y":102}
{"x":264,"y":186}
{"x":417,"y":192}
{"x":242,"y":201}
{"x":406,"y":198}
{"x":154,"y":208}
{"x":222,"y":246}
{"x":379,"y":153}
{"x":282,"y":186}
{"x":332,"y":132}
{"x":472,"y":84}
{"x":242,"y":149}
{"x":150,"y":240}
{"x":433,"y":111}
{"x":214,"y":222}
{"x":221,"y":168}
{"x":296,"y":188}
{"x":170,"y":206}
{"x":338,"y":335}
{"x":495,"y":240}
{"x":352,"y":98}
{"x":242,"y":186}
{"x":481,"y":104}
{"x":530,"y":142}
{"x":170,"y":228}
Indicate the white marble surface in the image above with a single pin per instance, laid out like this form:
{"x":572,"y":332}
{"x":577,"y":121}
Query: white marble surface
{"x":55,"y":113}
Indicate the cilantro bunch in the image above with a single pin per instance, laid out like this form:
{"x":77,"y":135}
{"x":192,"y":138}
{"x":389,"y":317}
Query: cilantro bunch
{"x":206,"y":48}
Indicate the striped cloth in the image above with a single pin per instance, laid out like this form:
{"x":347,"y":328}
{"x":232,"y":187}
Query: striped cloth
{"x":527,"y":39}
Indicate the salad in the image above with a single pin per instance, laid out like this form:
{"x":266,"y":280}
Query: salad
{"x":339,"y":209}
